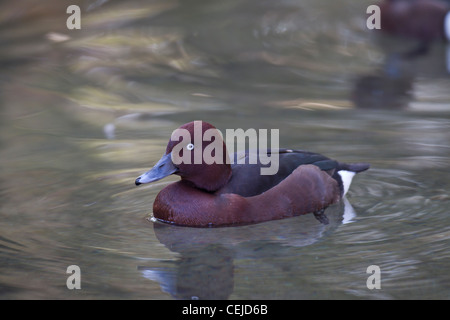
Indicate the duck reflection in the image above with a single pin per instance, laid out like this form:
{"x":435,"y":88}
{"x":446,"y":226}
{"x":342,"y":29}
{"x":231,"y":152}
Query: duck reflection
{"x":394,"y":84}
{"x":382,"y":91}
{"x":205,"y":269}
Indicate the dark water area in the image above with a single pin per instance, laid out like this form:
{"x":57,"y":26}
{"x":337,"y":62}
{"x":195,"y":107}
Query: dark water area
{"x":84,"y":112}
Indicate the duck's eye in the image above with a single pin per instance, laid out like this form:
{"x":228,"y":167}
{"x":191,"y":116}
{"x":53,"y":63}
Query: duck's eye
{"x":190,"y":146}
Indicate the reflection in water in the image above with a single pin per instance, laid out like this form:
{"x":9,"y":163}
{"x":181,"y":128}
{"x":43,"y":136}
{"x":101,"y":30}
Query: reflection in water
{"x":392,"y":85}
{"x":205,"y":269}
{"x":203,"y":273}
{"x":379,"y":91}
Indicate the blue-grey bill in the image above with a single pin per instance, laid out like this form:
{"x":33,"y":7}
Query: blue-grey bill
{"x":163,"y":168}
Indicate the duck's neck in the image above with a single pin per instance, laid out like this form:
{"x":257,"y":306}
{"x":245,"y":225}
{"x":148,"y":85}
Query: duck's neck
{"x":212,"y":178}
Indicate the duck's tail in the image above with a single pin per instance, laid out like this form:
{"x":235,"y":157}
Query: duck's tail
{"x":345,"y":173}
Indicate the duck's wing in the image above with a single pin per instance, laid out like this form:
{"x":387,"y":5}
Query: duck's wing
{"x":248,"y":178}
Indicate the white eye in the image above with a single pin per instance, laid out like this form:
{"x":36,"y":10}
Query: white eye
{"x":190,"y":146}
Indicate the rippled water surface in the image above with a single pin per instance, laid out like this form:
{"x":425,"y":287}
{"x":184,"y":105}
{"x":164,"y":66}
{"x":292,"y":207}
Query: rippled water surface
{"x":84,"y":112}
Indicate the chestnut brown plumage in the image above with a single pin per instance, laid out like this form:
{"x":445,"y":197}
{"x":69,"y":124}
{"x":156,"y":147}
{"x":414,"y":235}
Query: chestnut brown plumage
{"x":220,"y":194}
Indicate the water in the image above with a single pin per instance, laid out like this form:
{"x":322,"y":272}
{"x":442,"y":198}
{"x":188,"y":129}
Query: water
{"x":84,"y":112}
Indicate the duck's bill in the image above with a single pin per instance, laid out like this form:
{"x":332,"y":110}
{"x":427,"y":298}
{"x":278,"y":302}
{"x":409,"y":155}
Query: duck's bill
{"x":163,"y":168}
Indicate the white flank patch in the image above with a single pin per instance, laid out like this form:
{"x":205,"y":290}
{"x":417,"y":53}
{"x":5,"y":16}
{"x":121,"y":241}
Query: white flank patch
{"x":346,"y":177}
{"x":447,"y":26}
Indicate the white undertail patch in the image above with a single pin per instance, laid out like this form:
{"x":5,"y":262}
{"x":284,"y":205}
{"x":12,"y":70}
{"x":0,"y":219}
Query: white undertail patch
{"x":346,"y":177}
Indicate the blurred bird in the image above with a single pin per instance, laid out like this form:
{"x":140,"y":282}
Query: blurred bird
{"x":425,"y":20}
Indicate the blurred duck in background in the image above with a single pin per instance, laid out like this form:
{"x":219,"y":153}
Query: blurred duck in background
{"x":420,"y":23}
{"x":425,"y":20}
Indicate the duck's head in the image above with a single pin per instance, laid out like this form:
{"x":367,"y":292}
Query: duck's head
{"x":197,"y":153}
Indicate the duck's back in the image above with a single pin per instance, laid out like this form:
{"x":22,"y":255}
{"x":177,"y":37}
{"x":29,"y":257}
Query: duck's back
{"x":247,"y":180}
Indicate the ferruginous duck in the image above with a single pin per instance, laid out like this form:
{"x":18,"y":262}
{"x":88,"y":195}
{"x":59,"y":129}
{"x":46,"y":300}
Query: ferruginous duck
{"x":424,"y":20}
{"x":227,"y":193}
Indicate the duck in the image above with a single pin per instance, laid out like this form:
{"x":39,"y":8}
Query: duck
{"x":231,"y":193}
{"x":424,"y":20}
